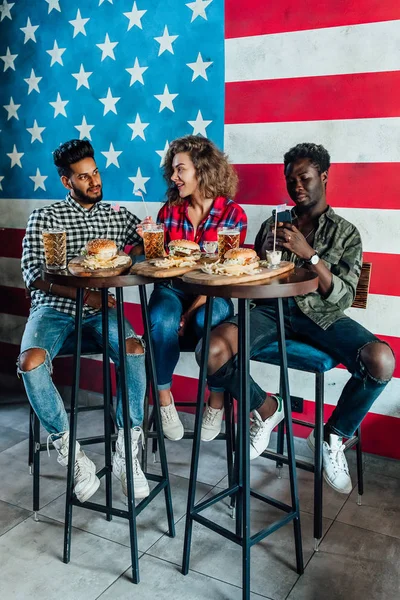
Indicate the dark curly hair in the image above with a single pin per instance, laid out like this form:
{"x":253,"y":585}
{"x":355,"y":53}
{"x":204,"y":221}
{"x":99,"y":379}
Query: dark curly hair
{"x":317,"y":154}
{"x":69,"y":153}
{"x":215,"y":175}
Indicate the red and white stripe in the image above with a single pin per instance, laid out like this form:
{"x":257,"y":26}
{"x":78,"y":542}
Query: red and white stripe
{"x":331,"y":76}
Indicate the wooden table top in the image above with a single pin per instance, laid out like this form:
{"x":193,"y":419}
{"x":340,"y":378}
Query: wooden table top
{"x":64,"y":277}
{"x":295,"y":283}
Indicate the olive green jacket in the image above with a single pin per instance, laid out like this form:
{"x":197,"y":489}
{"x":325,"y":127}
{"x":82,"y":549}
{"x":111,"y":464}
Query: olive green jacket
{"x":338,"y":244}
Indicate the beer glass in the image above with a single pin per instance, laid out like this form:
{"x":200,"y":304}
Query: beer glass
{"x":153,"y":239}
{"x":228,"y":238}
{"x":55,"y":248}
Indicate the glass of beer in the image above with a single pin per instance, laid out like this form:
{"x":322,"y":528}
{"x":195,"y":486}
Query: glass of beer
{"x":55,"y":248}
{"x":228,"y":237}
{"x":153,"y":239}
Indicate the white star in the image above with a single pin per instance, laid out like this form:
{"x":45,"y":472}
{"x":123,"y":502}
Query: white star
{"x":56,"y":54}
{"x":36,"y":132}
{"x":5,"y":10}
{"x":139,"y":182}
{"x":101,"y":2}
{"x":135,"y":17}
{"x":12,"y":109}
{"x":109,"y":103}
{"x":15,"y":157}
{"x":59,"y":106}
{"x":166,"y":99}
{"x":199,"y":8}
{"x":162,"y":153}
{"x":79,"y":24}
{"x":1,"y":179}
{"x":138,"y":128}
{"x":107,"y":48}
{"x":53,"y":4}
{"x":199,"y":68}
{"x":136,"y":72}
{"x":84,"y":129}
{"x":112,"y":156}
{"x":33,"y":82}
{"x":9,"y":60}
{"x":82,"y":78}
{"x":166,"y":41}
{"x":29,"y":31}
{"x":199,"y":125}
{"x":38,"y":180}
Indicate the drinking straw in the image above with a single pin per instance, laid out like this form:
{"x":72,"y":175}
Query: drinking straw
{"x":139,"y":193}
{"x":276,"y":223}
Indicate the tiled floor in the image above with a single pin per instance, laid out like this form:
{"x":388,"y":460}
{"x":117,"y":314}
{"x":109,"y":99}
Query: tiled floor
{"x":358,"y":557}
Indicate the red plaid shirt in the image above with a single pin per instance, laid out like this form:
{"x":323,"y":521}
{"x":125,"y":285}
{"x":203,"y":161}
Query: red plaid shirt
{"x":223,"y":212}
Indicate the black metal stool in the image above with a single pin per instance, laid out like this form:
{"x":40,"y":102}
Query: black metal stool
{"x":308,"y":359}
{"x":162,"y":480}
{"x":300,"y":281}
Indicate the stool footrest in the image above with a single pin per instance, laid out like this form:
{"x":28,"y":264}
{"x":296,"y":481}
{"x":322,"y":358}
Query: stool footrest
{"x":257,"y":537}
{"x":300,"y":464}
{"x":218,"y":529}
{"x":216,"y":498}
{"x":271,"y":501}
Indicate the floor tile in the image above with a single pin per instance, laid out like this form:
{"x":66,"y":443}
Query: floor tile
{"x":352,"y":564}
{"x":272,"y":560}
{"x":212,"y":464}
{"x":383,"y":466}
{"x":380,"y":508}
{"x":10,"y":516}
{"x":159,"y":579}
{"x":32,"y":567}
{"x":15,"y":415}
{"x":9,"y":437}
{"x":151,"y":523}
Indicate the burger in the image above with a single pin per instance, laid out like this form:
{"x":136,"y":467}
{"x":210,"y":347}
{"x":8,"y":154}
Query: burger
{"x":237,"y":261}
{"x":184,"y":248}
{"x":182,"y":253}
{"x":103,"y":254}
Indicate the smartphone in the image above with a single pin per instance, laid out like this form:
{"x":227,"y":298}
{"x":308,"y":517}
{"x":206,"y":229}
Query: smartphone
{"x":283,"y":217}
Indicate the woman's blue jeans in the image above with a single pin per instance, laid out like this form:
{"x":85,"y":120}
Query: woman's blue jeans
{"x":53,"y":331}
{"x":166,"y":307}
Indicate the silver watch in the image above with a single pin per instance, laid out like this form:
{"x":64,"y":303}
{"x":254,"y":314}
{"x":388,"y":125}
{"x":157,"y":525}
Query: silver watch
{"x":314,"y":260}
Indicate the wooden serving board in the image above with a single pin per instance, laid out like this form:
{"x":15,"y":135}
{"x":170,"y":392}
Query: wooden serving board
{"x":145,"y":269}
{"x":206,"y":279}
{"x":75,"y":267}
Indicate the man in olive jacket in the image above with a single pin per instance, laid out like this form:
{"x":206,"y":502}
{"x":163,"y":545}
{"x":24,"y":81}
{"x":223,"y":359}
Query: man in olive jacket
{"x":322,"y":241}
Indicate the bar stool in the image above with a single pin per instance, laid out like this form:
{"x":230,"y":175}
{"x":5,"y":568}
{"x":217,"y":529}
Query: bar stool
{"x":162,"y":480}
{"x":298,"y":282}
{"x":36,"y":446}
{"x":306,"y":358}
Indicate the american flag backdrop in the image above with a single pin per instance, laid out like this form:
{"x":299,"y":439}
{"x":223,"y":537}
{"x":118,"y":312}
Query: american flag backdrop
{"x":256,"y":77}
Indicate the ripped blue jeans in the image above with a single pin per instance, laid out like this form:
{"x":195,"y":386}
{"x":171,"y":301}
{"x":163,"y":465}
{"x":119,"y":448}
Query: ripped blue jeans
{"x":343,"y":340}
{"x":53,"y":331}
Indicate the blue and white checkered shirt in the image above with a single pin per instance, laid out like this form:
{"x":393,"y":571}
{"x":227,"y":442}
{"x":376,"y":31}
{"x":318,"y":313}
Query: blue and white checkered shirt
{"x":81,"y":226}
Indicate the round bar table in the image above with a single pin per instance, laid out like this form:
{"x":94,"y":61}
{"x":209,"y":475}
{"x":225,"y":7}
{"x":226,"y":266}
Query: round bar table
{"x":298,"y":282}
{"x":104,"y":284}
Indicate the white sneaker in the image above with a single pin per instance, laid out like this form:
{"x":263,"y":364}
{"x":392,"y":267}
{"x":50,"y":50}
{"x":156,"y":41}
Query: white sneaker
{"x":86,"y":482}
{"x":260,"y":431}
{"x":140,"y":483}
{"x":212,"y":422}
{"x":335,"y":467}
{"x":171,"y":423}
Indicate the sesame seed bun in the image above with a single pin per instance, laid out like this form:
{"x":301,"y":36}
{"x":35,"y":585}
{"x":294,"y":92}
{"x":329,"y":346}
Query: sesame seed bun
{"x":245,"y":255}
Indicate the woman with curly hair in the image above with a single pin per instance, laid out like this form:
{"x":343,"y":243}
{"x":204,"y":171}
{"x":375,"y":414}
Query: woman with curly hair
{"x":201,"y":184}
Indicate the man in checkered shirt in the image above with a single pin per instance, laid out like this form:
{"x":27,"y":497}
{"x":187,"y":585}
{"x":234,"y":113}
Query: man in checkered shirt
{"x":50,"y":327}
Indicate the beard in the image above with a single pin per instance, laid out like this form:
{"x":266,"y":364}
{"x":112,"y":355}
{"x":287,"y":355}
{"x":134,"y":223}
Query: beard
{"x":86,"y":198}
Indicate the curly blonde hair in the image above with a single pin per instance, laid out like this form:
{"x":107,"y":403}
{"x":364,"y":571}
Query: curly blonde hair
{"x":215,"y":175}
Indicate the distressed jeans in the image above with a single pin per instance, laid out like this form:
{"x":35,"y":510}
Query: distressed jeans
{"x":53,"y":331}
{"x":343,"y":340}
{"x":166,"y":307}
